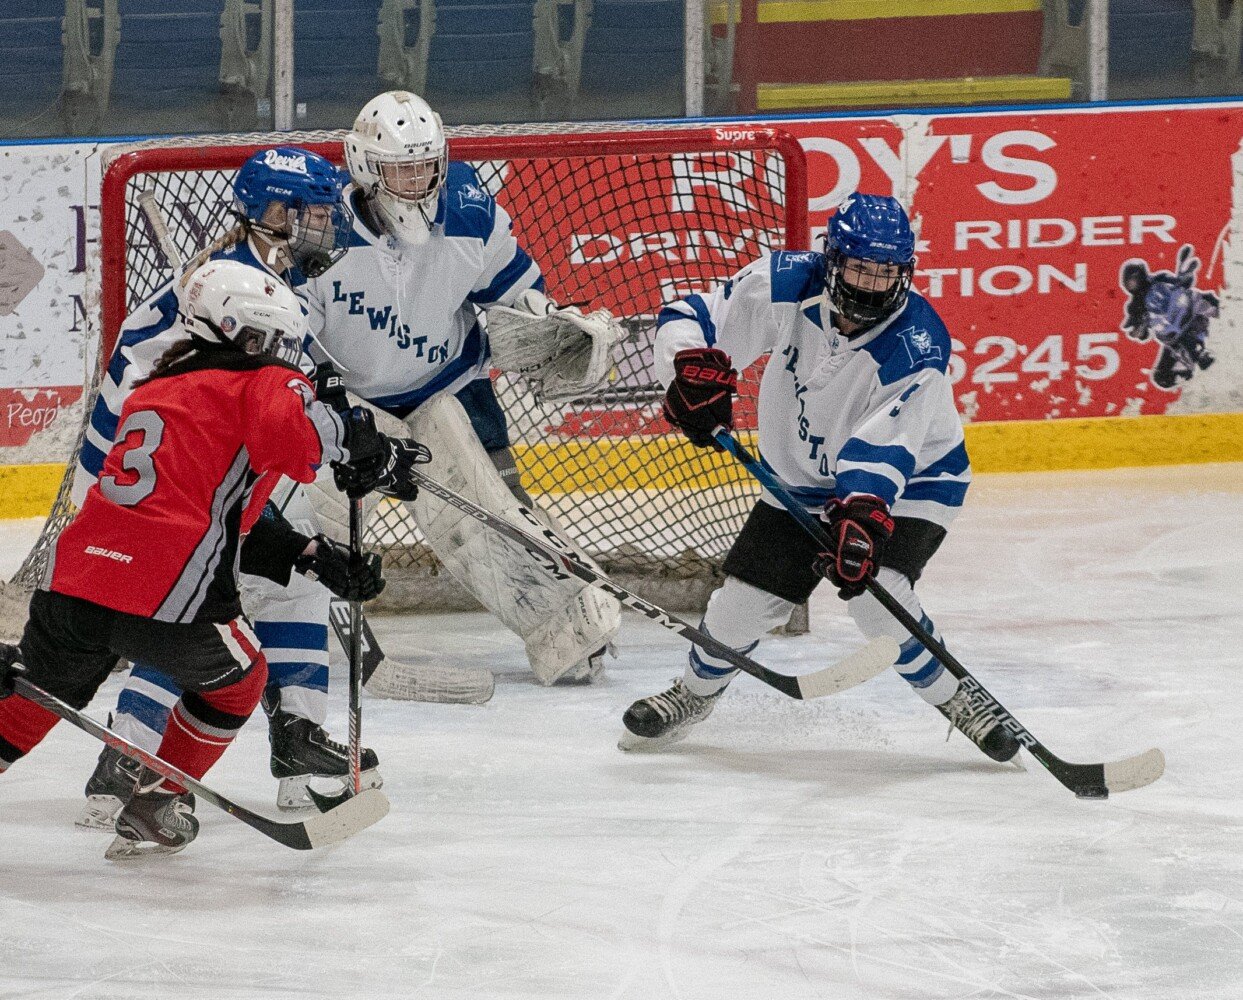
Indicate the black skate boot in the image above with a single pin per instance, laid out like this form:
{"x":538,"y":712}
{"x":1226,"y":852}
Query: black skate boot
{"x":980,"y":726}
{"x":655,"y":722}
{"x":302,"y":752}
{"x":154,"y":821}
{"x":109,"y":785}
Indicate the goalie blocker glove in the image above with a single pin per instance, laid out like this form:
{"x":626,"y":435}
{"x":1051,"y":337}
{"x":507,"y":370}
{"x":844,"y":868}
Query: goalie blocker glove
{"x":859,"y":528}
{"x":353,"y":579}
{"x":377,"y":462}
{"x":700,"y":398}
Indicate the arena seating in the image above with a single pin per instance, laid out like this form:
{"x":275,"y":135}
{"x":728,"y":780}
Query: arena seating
{"x":482,"y":47}
{"x":30,"y":66}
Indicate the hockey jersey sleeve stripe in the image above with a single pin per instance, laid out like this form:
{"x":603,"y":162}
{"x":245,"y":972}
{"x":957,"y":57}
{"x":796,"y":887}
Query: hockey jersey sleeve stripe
{"x":870,"y":483}
{"x":91,"y":459}
{"x":947,"y":492}
{"x":521,"y":267}
{"x":953,"y":463}
{"x":860,"y":452}
{"x":104,"y":421}
{"x":693,"y":308}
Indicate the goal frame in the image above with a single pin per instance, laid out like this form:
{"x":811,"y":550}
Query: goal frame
{"x":225,"y":155}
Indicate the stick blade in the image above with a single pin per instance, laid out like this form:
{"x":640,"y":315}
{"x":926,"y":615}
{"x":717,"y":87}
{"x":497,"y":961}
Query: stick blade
{"x":1135,"y":772}
{"x":352,"y":816}
{"x":861,"y":665}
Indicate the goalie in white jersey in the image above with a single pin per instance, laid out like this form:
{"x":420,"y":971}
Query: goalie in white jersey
{"x":856,"y":419}
{"x":435,"y":291}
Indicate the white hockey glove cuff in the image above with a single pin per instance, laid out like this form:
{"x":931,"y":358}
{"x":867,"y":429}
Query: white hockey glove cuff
{"x":562,"y":353}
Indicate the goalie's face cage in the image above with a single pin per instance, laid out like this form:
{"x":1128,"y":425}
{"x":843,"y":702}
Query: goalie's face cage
{"x":415,"y":181}
{"x":866,"y":291}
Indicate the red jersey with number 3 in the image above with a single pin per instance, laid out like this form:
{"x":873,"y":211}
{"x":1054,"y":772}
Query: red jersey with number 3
{"x":197,"y":454}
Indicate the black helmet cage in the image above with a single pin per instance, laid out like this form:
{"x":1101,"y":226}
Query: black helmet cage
{"x":860,"y":305}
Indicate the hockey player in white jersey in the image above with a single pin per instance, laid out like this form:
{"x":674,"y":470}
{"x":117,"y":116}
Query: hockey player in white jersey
{"x":292,"y":224}
{"x":435,"y":291}
{"x":856,"y":419}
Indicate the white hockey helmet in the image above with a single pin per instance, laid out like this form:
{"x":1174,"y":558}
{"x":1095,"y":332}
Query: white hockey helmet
{"x":397,"y":153}
{"x":227,"y":304}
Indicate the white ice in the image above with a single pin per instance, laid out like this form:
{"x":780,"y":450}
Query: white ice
{"x":838,"y":849}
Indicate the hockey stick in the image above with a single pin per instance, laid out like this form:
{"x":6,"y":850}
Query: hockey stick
{"x":317,"y":830}
{"x":560,"y":559}
{"x":356,"y":652}
{"x":326,"y":802}
{"x":384,"y":677}
{"x":1088,"y":781}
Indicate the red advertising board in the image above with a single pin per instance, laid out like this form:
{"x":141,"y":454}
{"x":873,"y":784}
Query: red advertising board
{"x":1026,"y":223}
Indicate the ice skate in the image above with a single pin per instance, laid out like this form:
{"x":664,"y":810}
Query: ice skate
{"x":303,"y":752}
{"x":107,"y":789}
{"x":659,"y":720}
{"x":980,"y":726}
{"x":154,"y":821}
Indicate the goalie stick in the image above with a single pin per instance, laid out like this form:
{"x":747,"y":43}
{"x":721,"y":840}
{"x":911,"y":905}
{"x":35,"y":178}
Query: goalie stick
{"x":1088,"y":781}
{"x":319,"y":830}
{"x":562,"y":561}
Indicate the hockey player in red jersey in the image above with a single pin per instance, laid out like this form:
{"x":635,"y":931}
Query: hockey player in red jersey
{"x":148,"y":568}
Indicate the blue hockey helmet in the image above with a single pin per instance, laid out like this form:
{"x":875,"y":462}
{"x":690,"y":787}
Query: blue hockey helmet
{"x":315,"y":223}
{"x":870,"y":258}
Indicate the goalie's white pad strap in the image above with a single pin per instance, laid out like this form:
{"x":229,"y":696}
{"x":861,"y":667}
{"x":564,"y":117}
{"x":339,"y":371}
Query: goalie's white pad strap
{"x":561,"y":622}
{"x":562,"y":353}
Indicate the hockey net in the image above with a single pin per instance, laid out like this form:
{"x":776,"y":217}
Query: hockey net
{"x":615,"y":216}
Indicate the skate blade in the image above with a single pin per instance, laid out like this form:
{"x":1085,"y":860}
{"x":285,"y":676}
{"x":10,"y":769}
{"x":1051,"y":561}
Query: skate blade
{"x":634,"y":743}
{"x":291,"y":793}
{"x":124,"y":849}
{"x":99,"y":813}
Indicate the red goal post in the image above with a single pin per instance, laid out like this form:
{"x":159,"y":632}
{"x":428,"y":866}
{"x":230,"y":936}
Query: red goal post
{"x":622,"y":216}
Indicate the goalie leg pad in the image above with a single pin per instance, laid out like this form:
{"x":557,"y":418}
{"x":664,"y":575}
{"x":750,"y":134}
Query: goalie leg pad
{"x":561,"y":622}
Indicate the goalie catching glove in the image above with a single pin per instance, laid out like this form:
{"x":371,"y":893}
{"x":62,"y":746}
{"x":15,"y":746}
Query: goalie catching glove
{"x":329,"y":562}
{"x":561,"y":352}
{"x":377,"y":462}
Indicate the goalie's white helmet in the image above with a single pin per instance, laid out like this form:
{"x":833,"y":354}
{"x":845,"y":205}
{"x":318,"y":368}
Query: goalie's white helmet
{"x":397,"y":153}
{"x":226,"y":304}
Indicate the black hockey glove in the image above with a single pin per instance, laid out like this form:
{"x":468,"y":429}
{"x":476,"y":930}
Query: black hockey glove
{"x":859,"y":528}
{"x":357,"y":579}
{"x":701,"y":396}
{"x":11,"y":668}
{"x":377,"y":462}
{"x":330,"y":387}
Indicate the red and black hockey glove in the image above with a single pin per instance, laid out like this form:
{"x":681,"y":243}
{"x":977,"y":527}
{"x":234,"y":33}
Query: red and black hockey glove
{"x":11,"y":668}
{"x":859,"y":528}
{"x":357,"y":579}
{"x":701,"y":396}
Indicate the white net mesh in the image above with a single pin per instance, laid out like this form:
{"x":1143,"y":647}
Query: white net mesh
{"x":614,"y":217}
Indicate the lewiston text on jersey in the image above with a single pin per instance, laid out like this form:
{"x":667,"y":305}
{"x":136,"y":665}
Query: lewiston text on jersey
{"x":872,"y":414}
{"x":401,"y":319}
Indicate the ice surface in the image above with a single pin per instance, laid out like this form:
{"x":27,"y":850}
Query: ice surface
{"x":839,"y":849}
